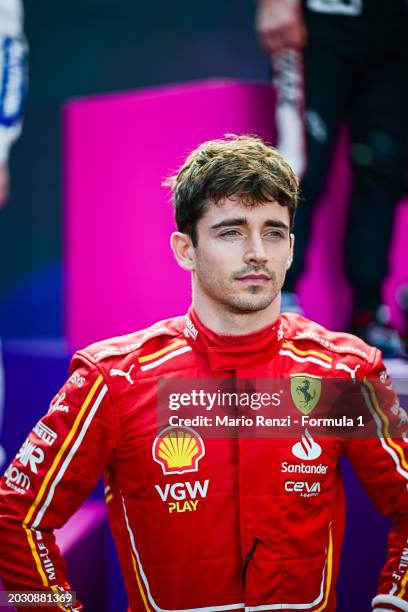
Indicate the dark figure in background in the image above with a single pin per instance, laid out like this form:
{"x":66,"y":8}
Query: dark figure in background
{"x":13,"y":89}
{"x":355,"y":56}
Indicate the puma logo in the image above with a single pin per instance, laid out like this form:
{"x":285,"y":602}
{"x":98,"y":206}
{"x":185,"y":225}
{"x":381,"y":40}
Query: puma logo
{"x":116,"y":372}
{"x":351,"y":371}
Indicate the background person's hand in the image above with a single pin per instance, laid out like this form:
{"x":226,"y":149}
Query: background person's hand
{"x":4,"y":184}
{"x":279,"y":25}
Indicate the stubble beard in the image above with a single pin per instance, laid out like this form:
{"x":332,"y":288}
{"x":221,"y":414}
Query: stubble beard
{"x":253,"y":300}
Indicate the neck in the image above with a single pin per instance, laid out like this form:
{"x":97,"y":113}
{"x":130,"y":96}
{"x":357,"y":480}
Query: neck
{"x":222,"y":320}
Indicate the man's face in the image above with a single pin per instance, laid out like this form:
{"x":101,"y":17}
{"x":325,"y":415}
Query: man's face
{"x":242,"y":254}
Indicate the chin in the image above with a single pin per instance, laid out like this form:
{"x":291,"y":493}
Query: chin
{"x":246,"y":305}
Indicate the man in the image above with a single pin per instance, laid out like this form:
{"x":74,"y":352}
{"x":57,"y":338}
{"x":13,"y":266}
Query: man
{"x":354,"y":58}
{"x":206,"y":523}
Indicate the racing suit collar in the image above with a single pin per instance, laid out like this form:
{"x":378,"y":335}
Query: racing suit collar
{"x":229,"y":352}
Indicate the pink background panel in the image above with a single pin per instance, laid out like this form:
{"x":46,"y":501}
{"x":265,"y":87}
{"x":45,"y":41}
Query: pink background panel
{"x":120,"y":274}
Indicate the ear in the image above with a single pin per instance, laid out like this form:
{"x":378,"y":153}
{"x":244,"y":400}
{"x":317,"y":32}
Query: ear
{"x":183,"y":250}
{"x":291,"y":248}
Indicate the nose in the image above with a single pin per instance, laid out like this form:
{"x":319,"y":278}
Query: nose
{"x":255,"y":251}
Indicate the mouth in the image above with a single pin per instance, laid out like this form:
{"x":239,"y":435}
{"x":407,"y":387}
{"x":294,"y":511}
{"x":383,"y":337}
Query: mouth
{"x":254,"y":279}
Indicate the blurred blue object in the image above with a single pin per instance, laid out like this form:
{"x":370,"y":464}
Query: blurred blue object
{"x":32,"y":308}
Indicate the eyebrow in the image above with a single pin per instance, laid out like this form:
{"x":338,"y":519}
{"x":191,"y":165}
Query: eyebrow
{"x":243,"y":221}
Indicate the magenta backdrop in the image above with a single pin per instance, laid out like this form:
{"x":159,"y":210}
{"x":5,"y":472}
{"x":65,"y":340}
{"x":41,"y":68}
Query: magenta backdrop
{"x":119,"y":272}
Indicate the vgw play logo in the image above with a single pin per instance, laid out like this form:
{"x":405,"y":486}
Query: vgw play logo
{"x":179,"y":492}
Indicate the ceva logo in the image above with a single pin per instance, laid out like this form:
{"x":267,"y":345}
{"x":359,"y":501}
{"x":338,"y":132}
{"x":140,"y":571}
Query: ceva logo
{"x":307,"y":449}
{"x":178,"y":450}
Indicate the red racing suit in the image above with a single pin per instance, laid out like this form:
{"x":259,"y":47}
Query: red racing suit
{"x":203,"y":524}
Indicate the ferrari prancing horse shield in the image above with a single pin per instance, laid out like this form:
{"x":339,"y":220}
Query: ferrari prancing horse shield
{"x":305,"y":391}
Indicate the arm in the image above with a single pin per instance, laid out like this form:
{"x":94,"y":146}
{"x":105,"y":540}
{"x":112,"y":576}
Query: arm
{"x":52,"y":474}
{"x":279,"y":25}
{"x":13,"y":83}
{"x":381,"y":463}
{"x":282,"y":34}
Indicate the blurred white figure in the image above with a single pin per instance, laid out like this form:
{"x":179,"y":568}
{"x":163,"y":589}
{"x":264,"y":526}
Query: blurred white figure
{"x":13,"y":88}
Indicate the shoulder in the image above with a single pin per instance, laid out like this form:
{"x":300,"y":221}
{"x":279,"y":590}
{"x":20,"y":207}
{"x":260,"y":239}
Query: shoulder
{"x":302,"y":334}
{"x":160,"y":336}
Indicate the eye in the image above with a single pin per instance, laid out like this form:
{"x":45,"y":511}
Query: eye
{"x":232,"y":233}
{"x":275,"y":234}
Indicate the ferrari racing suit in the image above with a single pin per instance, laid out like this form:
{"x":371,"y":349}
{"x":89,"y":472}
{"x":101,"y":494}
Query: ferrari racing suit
{"x":204,"y":523}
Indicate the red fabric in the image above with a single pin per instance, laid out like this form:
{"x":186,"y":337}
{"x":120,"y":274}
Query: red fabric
{"x":235,"y":530}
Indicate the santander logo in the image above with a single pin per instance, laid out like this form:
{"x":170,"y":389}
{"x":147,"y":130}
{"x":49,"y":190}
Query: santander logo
{"x":307,"y":449}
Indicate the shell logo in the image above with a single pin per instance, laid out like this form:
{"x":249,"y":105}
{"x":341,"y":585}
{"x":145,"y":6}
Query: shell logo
{"x":178,"y":450}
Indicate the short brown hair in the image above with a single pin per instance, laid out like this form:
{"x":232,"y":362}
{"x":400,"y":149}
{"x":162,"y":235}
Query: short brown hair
{"x":236,"y":165}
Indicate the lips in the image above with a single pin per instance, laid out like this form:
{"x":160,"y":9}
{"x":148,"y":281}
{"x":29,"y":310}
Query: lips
{"x":254,"y":278}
